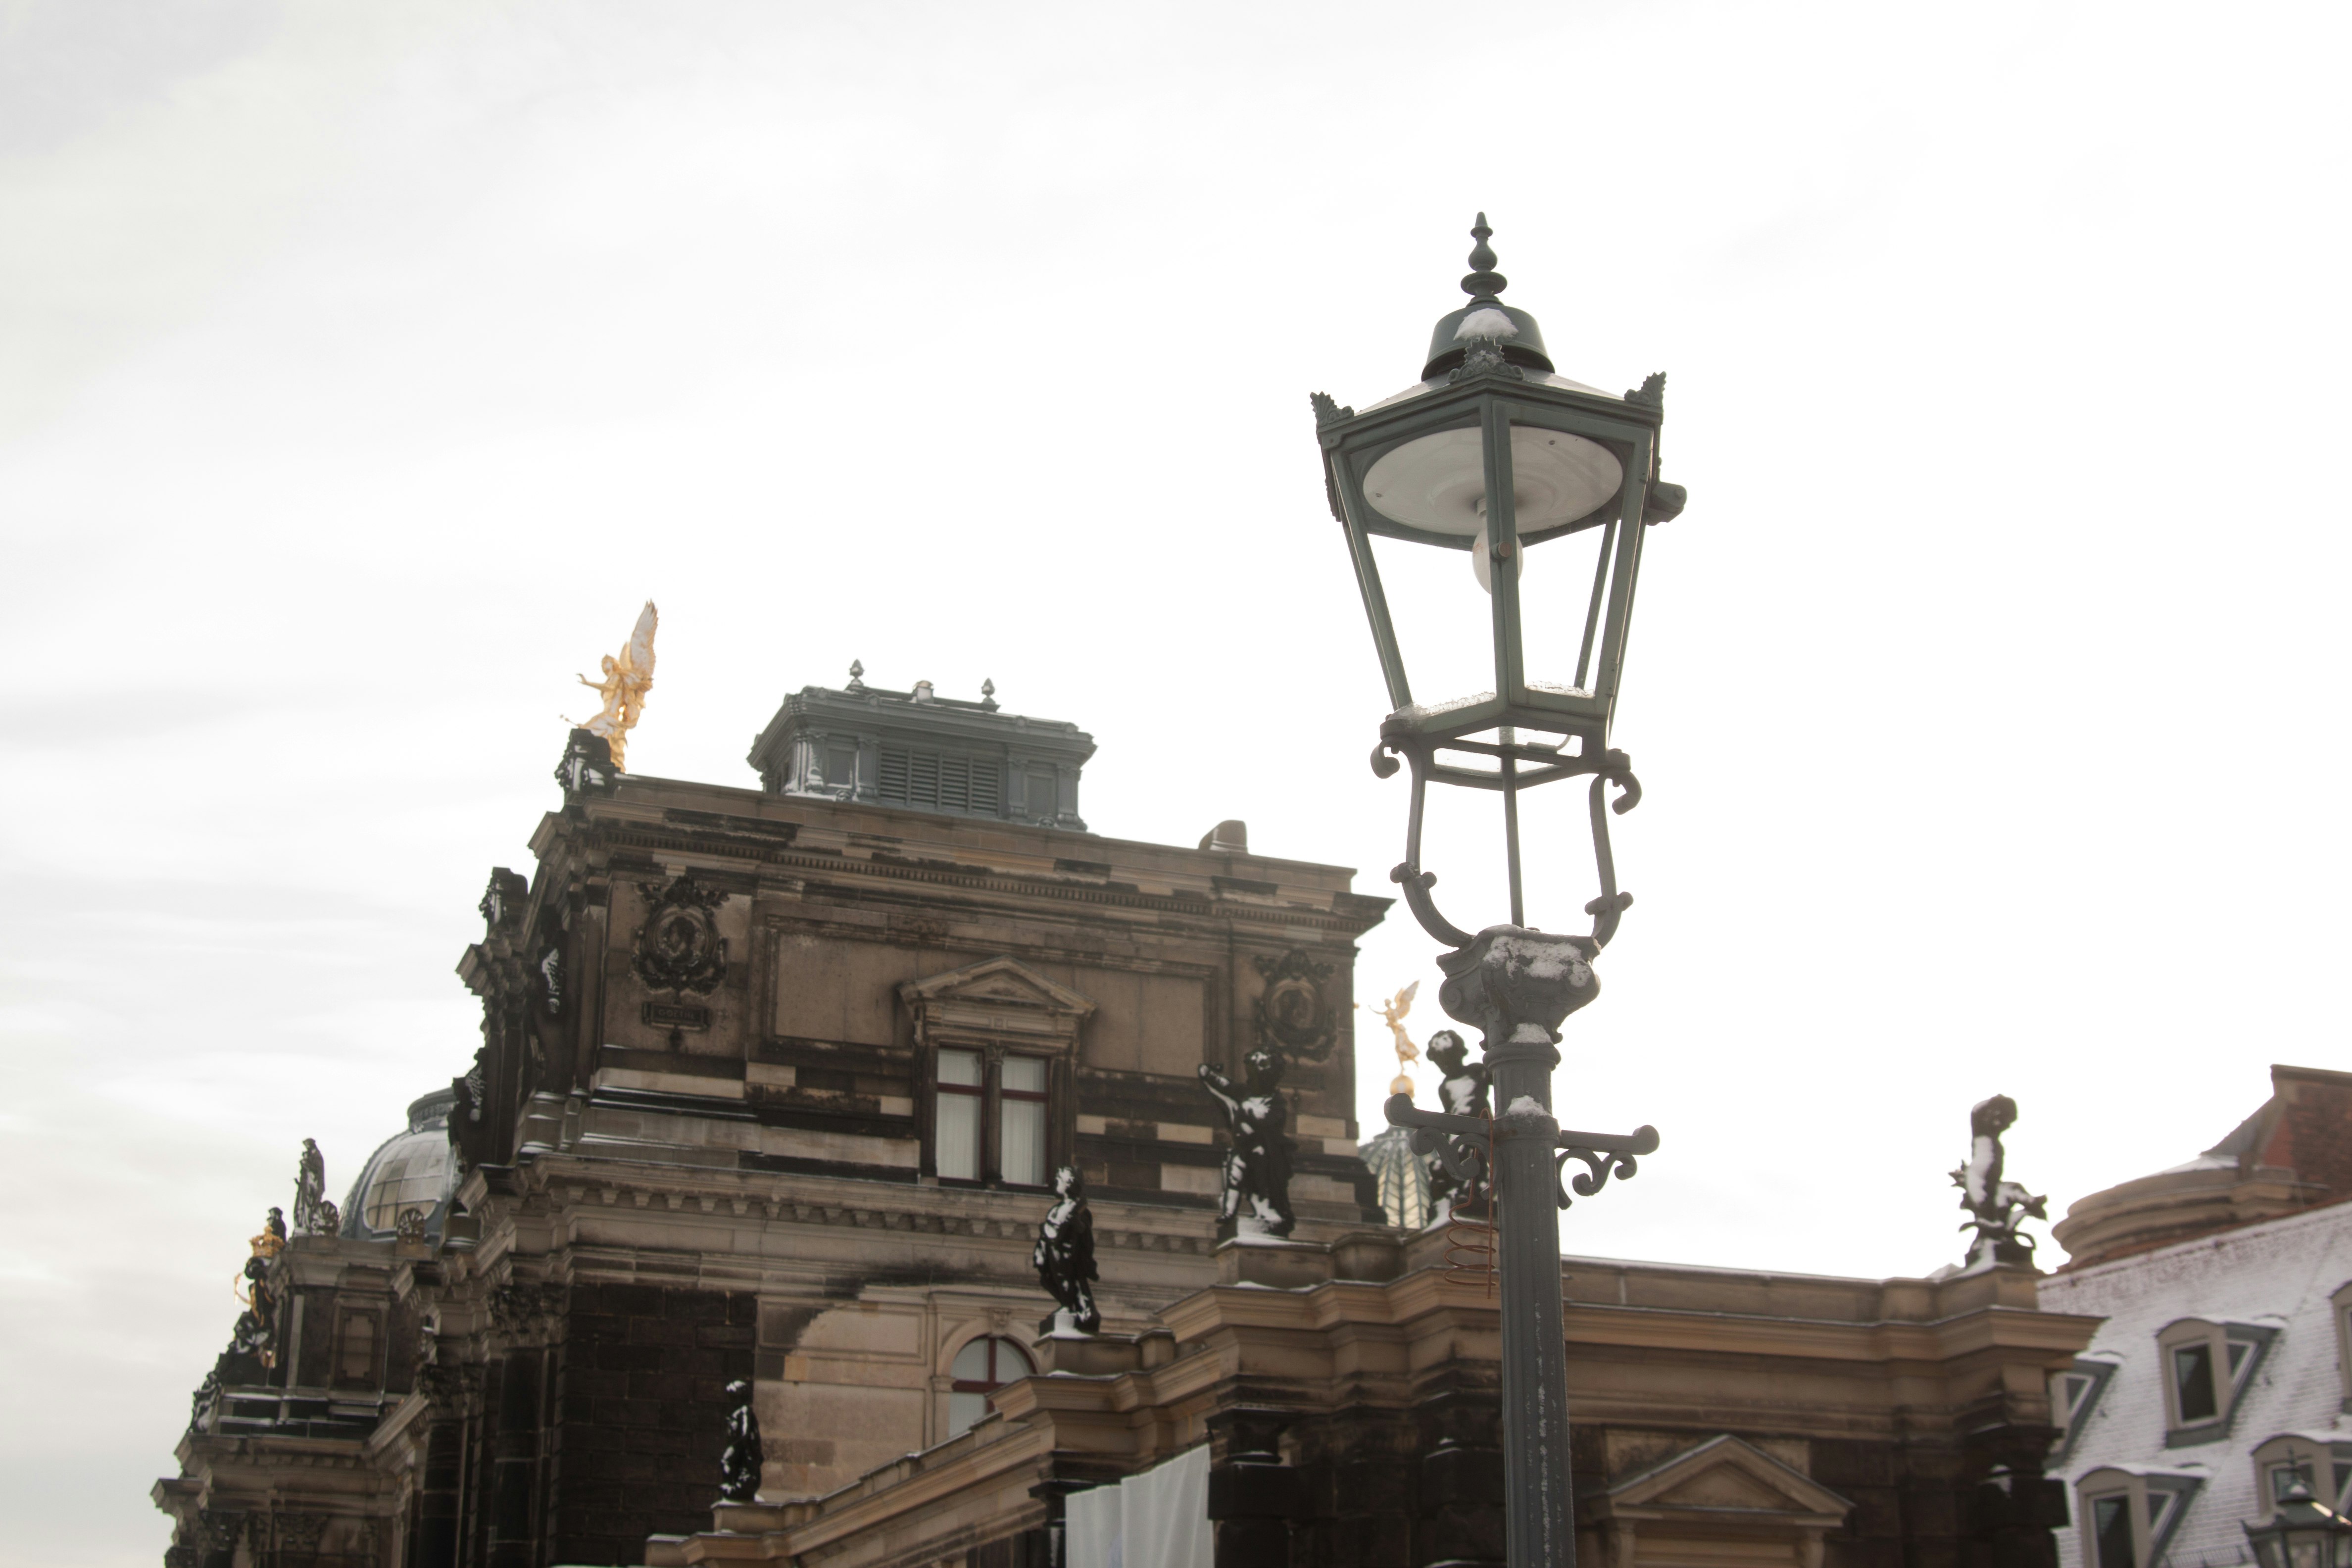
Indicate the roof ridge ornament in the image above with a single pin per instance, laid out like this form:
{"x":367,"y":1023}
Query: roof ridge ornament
{"x":1483,"y":284}
{"x":856,"y":677}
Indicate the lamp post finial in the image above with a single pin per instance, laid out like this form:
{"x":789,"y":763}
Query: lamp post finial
{"x":1484,"y":283}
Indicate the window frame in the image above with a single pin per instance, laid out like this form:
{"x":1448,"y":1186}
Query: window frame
{"x":2339,"y":1305}
{"x":2218,"y":1337}
{"x":2099,"y":1367}
{"x":993,"y":1096}
{"x":983,"y":1389}
{"x":2177,"y":1489}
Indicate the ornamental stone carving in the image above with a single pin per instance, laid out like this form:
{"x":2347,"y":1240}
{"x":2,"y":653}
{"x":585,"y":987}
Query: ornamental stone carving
{"x":1293,"y":1016}
{"x":679,"y":948}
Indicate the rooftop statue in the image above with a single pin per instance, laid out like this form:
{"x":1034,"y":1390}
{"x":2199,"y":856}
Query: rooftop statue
{"x":624,"y":687}
{"x":1465,"y":1091}
{"x":1392,"y":1015}
{"x":1257,"y":1170}
{"x":314,"y":1212}
{"x":738,"y":1467}
{"x":1065,"y":1256}
{"x":1996,"y":1206}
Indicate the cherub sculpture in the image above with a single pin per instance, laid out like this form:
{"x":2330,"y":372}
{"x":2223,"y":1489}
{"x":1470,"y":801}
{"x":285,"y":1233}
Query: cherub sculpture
{"x":1392,"y":1014}
{"x":1257,"y":1170}
{"x":1997,"y":1207}
{"x":739,"y":1465}
{"x":1065,"y":1256}
{"x":625,"y":682}
{"x":1465,"y":1091}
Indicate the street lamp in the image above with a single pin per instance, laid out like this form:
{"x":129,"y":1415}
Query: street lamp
{"x":1495,"y":454}
{"x":2302,"y":1533}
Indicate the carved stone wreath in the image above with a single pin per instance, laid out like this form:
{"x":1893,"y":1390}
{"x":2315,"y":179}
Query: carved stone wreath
{"x":679,"y":947}
{"x":1292,"y":1015}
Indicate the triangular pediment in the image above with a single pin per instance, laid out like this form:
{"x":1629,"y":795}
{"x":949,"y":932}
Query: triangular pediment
{"x":998,"y":983}
{"x":1725,"y":1474}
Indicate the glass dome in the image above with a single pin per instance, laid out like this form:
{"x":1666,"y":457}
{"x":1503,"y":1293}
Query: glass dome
{"x":414,"y":1169}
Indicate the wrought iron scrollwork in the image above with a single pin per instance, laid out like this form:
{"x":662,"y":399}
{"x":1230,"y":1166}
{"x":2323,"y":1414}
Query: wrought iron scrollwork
{"x":1543,"y":764}
{"x":1458,"y":1142}
{"x":1604,"y":1155}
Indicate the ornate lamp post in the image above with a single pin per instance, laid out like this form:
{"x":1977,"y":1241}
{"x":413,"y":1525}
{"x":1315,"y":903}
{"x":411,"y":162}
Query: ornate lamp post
{"x":1495,"y":454}
{"x":2302,"y":1533}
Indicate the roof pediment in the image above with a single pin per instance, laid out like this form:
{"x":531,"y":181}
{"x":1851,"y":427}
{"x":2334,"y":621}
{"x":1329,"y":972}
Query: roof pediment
{"x":1725,"y":1475}
{"x":997,"y":984}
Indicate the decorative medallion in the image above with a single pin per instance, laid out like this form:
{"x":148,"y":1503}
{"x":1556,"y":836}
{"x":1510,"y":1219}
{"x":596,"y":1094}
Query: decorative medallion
{"x":679,"y":947}
{"x":1291,"y":1013}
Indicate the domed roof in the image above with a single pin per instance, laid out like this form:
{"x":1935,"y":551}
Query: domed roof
{"x":414,"y":1169}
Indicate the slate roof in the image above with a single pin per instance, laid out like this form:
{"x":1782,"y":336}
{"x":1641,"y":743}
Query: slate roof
{"x":2281,"y":1270}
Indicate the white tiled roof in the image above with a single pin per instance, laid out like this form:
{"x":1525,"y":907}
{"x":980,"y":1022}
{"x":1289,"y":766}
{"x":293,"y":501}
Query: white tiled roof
{"x":2279,"y":1271}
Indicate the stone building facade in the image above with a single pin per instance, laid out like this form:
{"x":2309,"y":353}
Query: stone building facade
{"x":771,"y":1084}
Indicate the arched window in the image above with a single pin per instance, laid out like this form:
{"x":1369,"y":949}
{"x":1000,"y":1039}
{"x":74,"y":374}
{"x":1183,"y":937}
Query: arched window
{"x":981,"y":1368}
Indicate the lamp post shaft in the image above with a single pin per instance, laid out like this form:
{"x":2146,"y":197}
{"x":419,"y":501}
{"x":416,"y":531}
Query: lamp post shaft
{"x":1517,"y":986}
{"x":1539,"y":1509}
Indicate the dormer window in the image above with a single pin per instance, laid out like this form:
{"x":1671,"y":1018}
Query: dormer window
{"x":2206,"y":1367}
{"x":2075,"y":1397}
{"x":2127,"y":1516}
{"x":2342,"y":1303}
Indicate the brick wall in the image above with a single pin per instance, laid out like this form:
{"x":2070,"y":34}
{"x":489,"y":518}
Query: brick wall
{"x":640,"y":1415}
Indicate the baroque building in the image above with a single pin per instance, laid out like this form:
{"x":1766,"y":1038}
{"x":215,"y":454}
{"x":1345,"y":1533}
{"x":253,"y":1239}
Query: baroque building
{"x":776,"y":1087}
{"x":2222,"y":1373}
{"x":772,"y":1085}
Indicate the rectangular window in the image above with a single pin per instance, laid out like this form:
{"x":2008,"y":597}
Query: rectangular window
{"x":1021,"y":1106}
{"x":841,"y":765}
{"x":2110,"y":1527}
{"x":2192,"y":1383}
{"x":958,"y":1145}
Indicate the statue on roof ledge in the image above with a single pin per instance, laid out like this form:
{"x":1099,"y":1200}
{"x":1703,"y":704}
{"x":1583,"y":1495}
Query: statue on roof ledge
{"x":1065,"y":1257}
{"x":1997,"y":1207}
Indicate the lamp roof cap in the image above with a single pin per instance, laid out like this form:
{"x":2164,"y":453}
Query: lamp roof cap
{"x":1486,"y":316}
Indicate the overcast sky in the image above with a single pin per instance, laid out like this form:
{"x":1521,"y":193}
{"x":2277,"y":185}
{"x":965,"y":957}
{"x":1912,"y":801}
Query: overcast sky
{"x":363,"y":368}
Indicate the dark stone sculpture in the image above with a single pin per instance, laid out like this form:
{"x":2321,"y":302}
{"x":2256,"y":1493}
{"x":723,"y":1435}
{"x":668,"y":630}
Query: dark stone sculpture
{"x":679,"y":948}
{"x":587,"y":767}
{"x":1065,"y":1256}
{"x":738,"y":1467}
{"x":1257,"y":1197}
{"x":1292,"y":1015}
{"x":1996,"y":1206}
{"x":1466,"y":1090}
{"x":314,"y":1213}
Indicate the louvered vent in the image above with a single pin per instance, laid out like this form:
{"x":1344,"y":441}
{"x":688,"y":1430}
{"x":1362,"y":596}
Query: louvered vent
{"x":940,"y":781}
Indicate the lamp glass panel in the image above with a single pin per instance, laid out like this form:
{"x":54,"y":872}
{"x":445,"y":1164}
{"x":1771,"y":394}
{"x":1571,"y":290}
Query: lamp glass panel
{"x":1444,"y":620}
{"x":2305,"y":1551}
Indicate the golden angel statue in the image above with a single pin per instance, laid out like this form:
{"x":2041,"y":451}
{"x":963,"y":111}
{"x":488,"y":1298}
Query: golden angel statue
{"x":1392,"y":1014}
{"x":626,"y":680}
